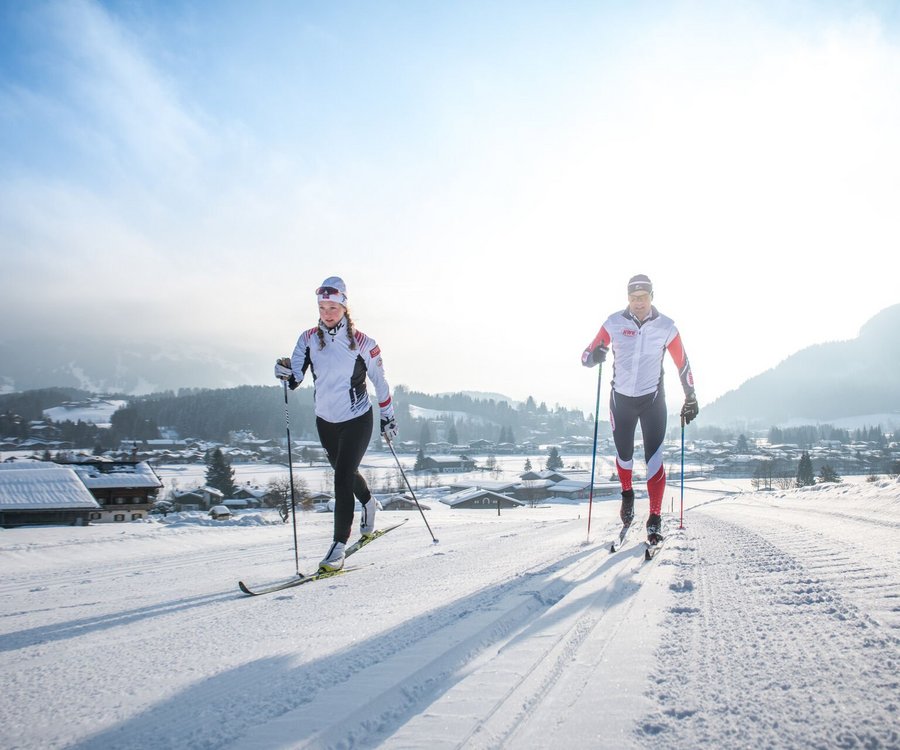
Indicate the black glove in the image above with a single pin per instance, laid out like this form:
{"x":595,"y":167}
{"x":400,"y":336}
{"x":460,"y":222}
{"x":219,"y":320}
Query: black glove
{"x":690,"y":410}
{"x":389,"y":429}
{"x":594,"y":357}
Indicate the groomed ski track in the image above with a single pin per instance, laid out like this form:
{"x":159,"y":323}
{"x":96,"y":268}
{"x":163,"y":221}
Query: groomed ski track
{"x":477,"y":676}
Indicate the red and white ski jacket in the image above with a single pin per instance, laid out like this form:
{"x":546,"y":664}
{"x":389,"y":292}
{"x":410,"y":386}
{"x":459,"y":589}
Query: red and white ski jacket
{"x":638,"y":350}
{"x":339,"y":373}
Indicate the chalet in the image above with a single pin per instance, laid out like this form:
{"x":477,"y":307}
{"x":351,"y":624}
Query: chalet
{"x":200,"y":498}
{"x":501,"y":487}
{"x":533,"y":476}
{"x":479,"y":499}
{"x":255,"y":497}
{"x":534,"y":490}
{"x":38,"y":493}
{"x":125,"y":490}
{"x":481,"y":445}
{"x":402,"y":502}
{"x":578,"y":489}
{"x":442,"y":447}
{"x":447,"y":464}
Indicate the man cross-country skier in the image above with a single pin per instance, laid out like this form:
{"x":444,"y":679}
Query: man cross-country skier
{"x":639,"y":337}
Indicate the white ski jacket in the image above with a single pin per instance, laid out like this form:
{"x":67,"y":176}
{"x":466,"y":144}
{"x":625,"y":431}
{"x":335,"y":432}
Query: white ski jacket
{"x":638,"y":350}
{"x":339,"y":373}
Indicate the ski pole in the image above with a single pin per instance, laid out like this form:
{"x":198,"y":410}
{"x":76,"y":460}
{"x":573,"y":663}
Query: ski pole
{"x":594,"y":451}
{"x":409,"y":487}
{"x":681,"y":521}
{"x":287,"y":426}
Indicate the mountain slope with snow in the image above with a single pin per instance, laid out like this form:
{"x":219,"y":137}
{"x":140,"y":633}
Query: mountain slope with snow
{"x":771,"y":619}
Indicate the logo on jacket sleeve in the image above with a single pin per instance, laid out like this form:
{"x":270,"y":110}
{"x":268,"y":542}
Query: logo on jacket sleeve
{"x":375,"y":352}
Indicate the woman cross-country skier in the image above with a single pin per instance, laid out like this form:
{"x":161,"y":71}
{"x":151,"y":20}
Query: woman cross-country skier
{"x":340,"y":357}
{"x":639,"y":337}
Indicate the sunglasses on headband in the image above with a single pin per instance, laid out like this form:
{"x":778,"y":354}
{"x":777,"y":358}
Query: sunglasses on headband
{"x":328,"y":290}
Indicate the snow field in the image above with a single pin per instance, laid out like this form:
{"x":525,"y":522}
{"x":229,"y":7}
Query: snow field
{"x":771,"y":620}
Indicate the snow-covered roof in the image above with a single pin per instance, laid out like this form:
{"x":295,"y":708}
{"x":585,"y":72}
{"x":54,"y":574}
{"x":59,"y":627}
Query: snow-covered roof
{"x":115,"y":475}
{"x":26,"y":463}
{"x":572,"y":485}
{"x":486,"y":484}
{"x":44,"y":489}
{"x":537,"y":484}
{"x":460,"y":497}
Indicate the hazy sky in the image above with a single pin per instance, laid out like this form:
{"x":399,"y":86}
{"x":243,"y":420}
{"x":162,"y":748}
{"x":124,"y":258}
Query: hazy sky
{"x":484,"y":175}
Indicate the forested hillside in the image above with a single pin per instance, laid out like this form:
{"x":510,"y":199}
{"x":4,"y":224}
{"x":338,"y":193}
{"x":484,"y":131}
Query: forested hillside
{"x":213,"y":414}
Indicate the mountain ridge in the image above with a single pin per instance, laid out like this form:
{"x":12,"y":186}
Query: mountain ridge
{"x":825,"y":382}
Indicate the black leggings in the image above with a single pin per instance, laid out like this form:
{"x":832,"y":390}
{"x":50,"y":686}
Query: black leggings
{"x":346,"y":443}
{"x":624,"y":413}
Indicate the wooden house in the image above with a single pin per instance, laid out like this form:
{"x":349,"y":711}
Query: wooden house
{"x":476,"y":498}
{"x":402,"y":502}
{"x":447,"y":464}
{"x":39,"y":493}
{"x":125,"y":490}
{"x":200,"y":498}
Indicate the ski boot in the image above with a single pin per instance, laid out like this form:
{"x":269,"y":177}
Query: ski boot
{"x":334,"y":560}
{"x":626,"y":510}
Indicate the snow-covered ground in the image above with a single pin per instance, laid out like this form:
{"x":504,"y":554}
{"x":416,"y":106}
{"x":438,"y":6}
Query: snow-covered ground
{"x":770,"y":620}
{"x":97,"y":411}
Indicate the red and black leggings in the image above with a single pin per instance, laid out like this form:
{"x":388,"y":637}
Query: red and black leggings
{"x":345,"y":444}
{"x":624,"y":414}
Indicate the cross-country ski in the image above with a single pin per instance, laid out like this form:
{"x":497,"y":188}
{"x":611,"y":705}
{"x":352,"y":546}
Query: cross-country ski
{"x":321,"y":574}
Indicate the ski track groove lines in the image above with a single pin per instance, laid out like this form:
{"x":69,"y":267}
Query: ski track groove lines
{"x":40,"y":581}
{"x":852,"y":559}
{"x":760,"y":634}
{"x":527,"y":629}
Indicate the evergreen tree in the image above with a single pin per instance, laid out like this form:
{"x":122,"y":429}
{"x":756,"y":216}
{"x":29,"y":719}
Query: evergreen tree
{"x":554,"y":461}
{"x":452,"y":436}
{"x":742,"y":446}
{"x":420,"y":461}
{"x":219,"y":473}
{"x":424,"y":436}
{"x":828,"y":474}
{"x":527,"y":464}
{"x":805,"y":476}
